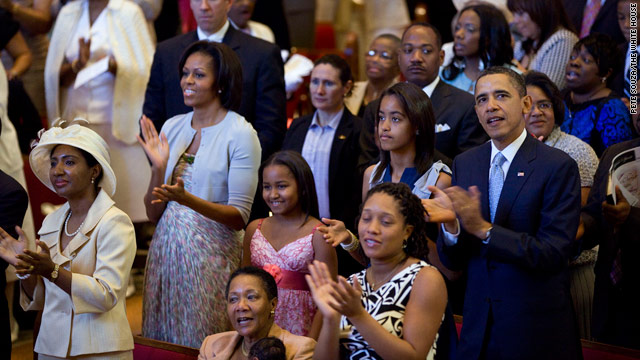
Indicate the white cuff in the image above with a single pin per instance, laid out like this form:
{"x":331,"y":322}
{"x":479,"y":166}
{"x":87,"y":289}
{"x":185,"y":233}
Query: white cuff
{"x":449,"y":238}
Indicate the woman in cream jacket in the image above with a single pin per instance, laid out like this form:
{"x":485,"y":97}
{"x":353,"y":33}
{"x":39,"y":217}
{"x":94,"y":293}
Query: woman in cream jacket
{"x":79,"y":277}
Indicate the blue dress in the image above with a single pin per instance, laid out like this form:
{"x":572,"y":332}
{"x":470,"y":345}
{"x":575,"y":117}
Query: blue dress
{"x":600,"y":122}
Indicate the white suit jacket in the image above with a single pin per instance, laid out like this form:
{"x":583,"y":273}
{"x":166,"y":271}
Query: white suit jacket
{"x":93,"y":319}
{"x":133,"y":50}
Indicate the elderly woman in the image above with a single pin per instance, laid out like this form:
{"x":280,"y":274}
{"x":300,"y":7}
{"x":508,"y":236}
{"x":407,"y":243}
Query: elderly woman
{"x":381,"y":68}
{"x":547,"y":106}
{"x":595,"y":113}
{"x":329,"y":140}
{"x":97,"y":69}
{"x":252,"y":297}
{"x":80,"y":275}
{"x":204,"y":176}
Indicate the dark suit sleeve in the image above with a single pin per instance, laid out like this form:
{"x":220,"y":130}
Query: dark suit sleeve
{"x":154,"y":101}
{"x":592,"y":211}
{"x":271,"y":112}
{"x":471,"y":132}
{"x":369,"y":152}
{"x":551,"y":247}
{"x":13,"y":206}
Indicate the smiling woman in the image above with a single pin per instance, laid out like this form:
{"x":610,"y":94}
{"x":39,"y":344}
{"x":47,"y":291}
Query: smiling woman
{"x":203,"y":180}
{"x":252,"y":297}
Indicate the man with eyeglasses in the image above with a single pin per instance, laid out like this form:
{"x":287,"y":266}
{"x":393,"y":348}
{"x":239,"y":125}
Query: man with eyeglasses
{"x":419,"y":58}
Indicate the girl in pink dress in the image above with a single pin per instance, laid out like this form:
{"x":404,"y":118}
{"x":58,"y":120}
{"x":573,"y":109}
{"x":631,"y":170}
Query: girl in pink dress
{"x":285,"y":243}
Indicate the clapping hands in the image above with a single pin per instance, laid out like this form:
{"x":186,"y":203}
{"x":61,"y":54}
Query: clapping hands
{"x":334,"y":298}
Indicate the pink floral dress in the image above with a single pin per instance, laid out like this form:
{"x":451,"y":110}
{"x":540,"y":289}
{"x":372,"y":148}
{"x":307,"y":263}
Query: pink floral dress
{"x":296,"y":308}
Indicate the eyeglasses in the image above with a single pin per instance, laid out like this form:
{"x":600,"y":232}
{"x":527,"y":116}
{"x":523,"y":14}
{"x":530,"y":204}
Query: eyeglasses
{"x":383,"y":54}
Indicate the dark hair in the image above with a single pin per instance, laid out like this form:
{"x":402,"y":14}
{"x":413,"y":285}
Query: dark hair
{"x":91,"y":162}
{"x":604,"y":51}
{"x":516,"y":79}
{"x":550,"y":90}
{"x":227,"y":71}
{"x":428,"y":26}
{"x":417,"y":106}
{"x":307,"y":196}
{"x":494,"y":45}
{"x":410,"y":206}
{"x":268,"y":348}
{"x":549,"y":15}
{"x":339,"y":64}
{"x":396,"y":40}
{"x":269,"y":283}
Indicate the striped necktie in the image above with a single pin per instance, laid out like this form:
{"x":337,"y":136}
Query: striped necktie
{"x":591,"y":10}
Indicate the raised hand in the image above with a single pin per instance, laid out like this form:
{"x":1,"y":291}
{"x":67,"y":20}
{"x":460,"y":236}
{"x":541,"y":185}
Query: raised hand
{"x":439,"y":207}
{"x":323,"y":289}
{"x":40,"y":262}
{"x":156,"y":147}
{"x":84,"y":53}
{"x":467,"y":207}
{"x":167,"y":193}
{"x":10,"y":248}
{"x":334,"y":233}
{"x":349,"y":298}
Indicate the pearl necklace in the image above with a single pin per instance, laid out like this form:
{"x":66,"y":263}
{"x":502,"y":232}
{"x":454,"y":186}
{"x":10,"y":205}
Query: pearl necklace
{"x":66,"y":231}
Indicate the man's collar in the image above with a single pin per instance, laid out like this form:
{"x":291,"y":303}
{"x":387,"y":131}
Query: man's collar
{"x":510,"y":151}
{"x":429,"y":88}
{"x":215,"y":37}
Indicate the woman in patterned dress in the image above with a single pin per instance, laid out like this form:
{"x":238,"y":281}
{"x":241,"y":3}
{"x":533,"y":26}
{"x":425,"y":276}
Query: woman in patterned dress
{"x":204,"y":177}
{"x":393,"y":309}
{"x":286,"y":242}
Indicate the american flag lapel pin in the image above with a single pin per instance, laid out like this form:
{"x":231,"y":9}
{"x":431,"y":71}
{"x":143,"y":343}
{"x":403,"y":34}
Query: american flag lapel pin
{"x":520,"y":173}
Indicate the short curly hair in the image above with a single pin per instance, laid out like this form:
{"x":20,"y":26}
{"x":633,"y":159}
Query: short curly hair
{"x":410,"y":206}
{"x":269,"y":283}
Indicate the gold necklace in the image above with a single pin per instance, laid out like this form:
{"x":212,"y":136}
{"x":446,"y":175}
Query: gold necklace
{"x":245,"y":352}
{"x":373,"y":284}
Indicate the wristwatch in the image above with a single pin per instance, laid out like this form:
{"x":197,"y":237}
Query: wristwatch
{"x":54,"y":273}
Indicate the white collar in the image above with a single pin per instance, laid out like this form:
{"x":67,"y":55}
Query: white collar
{"x":429,"y":88}
{"x":333,"y":122}
{"x":216,"y":36}
{"x":510,"y":151}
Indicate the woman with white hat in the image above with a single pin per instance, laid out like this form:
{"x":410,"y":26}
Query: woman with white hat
{"x":79,"y":277}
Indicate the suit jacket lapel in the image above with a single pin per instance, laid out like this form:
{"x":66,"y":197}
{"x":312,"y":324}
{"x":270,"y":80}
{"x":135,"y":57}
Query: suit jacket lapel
{"x":483,"y":183}
{"x":231,"y":39}
{"x":439,"y":99}
{"x":345,"y":127}
{"x":519,"y":172}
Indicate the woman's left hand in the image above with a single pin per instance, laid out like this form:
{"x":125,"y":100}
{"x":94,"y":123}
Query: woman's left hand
{"x":167,"y":193}
{"x":41,"y":261}
{"x":10,"y":248}
{"x":349,"y":298}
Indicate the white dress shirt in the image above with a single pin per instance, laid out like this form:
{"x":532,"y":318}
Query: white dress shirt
{"x":429,"y":88}
{"x":216,"y":36}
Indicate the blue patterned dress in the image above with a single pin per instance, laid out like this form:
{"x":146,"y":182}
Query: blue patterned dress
{"x":189,"y":262}
{"x":600,"y":122}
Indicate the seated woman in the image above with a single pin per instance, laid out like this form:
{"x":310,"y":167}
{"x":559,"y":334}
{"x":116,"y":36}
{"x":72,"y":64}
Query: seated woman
{"x":252,"y":297}
{"x":546,"y":106}
{"x":381,"y":68}
{"x":547,"y":37}
{"x":481,"y":39}
{"x":595,"y":114}
{"x":393,"y":309}
{"x":80,"y":276}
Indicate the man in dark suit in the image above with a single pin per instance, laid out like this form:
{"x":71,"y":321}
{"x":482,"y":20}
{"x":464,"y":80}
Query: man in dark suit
{"x":263,"y":95}
{"x":457,"y":127}
{"x":13,"y":206}
{"x":604,"y":23}
{"x":616,"y":314}
{"x":512,"y":216}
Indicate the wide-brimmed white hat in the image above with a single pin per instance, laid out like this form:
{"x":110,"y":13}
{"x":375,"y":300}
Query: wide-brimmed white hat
{"x":79,"y":137}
